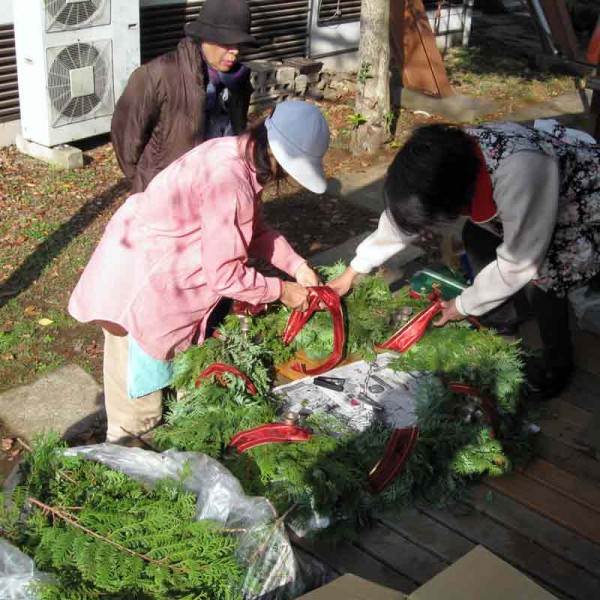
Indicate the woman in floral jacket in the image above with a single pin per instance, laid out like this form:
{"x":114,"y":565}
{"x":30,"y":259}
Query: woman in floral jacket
{"x":532,"y":199}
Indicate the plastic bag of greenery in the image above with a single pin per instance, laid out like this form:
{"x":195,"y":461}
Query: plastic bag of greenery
{"x":272,"y":570}
{"x":17,"y":573}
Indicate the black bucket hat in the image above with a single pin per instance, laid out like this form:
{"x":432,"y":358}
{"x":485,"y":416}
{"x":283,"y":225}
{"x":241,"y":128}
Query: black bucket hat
{"x":223,"y":22}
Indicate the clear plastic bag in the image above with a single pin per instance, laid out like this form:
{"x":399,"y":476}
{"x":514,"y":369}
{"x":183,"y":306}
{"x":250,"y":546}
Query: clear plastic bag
{"x":17,"y":574}
{"x":274,"y":570}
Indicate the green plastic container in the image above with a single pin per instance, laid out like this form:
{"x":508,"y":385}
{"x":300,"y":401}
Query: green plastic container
{"x":424,"y":282}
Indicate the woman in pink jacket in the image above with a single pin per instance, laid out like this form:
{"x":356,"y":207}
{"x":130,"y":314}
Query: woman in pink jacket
{"x":171,"y":254}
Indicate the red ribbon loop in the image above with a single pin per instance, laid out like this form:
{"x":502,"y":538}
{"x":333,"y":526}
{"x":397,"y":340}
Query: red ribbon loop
{"x":397,"y":452}
{"x":271,"y":433}
{"x":408,"y":335}
{"x":218,"y":369}
{"x":297,"y":320}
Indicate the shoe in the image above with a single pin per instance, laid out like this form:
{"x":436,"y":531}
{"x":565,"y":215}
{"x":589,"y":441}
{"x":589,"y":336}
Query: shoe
{"x":543,"y":382}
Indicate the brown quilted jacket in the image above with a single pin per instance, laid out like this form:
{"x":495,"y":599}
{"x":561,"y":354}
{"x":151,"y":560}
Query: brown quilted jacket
{"x":161,"y":113}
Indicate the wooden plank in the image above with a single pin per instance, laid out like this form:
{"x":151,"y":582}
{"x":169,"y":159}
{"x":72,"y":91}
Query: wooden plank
{"x":537,"y":528}
{"x":583,"y":391}
{"x":568,"y":458}
{"x":564,"y":421}
{"x":400,"y":553}
{"x":582,"y":491}
{"x":589,"y":438}
{"x":556,"y":573}
{"x":429,"y":534}
{"x":347,"y":558}
{"x":554,"y":505}
{"x":587,"y":345}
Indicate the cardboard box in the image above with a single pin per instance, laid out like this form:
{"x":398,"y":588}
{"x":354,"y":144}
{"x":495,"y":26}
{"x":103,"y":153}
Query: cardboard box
{"x":352,"y":587}
{"x":480,"y":575}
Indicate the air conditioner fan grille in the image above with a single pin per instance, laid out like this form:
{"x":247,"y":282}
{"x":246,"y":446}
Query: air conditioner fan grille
{"x":72,"y":14}
{"x":72,"y":57}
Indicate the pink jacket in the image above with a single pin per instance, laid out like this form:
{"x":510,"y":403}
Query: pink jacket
{"x":169,"y":254}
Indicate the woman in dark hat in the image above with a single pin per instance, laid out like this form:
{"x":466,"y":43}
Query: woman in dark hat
{"x":196,"y":92}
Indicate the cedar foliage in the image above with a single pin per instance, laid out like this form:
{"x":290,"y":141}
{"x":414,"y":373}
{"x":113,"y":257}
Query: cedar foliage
{"x":168,"y":553}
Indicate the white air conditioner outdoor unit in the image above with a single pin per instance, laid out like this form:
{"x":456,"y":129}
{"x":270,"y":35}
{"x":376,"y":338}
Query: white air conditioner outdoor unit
{"x":74,"y":58}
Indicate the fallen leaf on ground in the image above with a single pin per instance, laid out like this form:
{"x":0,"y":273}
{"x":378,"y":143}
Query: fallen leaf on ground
{"x":6,"y":444}
{"x":31,"y":311}
{"x":45,"y":322}
{"x":93,"y":349}
{"x":6,"y":326}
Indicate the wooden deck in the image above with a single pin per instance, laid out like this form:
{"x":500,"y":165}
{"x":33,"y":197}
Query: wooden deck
{"x":545,"y":520}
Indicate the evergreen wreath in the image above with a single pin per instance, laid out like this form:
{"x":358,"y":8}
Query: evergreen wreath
{"x":321,"y":486}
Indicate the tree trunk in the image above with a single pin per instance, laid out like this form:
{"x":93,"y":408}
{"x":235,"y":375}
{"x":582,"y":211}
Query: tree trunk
{"x":371,"y":119}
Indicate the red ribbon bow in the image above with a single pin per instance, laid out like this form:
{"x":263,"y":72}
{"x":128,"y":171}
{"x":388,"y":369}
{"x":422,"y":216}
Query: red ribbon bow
{"x":297,"y":320}
{"x":218,"y":369}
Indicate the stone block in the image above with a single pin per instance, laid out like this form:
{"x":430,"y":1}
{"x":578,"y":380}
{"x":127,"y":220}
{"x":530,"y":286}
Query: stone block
{"x":63,"y":156}
{"x":301,"y":84}
{"x":285,"y":75}
{"x":68,"y":401}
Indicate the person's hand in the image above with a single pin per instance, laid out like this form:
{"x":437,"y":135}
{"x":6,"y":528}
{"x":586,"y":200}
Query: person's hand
{"x":306,"y":276}
{"x":294,"y":296}
{"x":449,"y":313}
{"x":342,"y":284}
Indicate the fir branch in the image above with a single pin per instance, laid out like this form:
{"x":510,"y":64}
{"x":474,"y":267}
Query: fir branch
{"x":71,"y":520}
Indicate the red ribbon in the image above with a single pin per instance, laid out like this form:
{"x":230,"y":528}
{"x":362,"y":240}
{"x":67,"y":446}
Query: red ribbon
{"x":409,"y":334}
{"x":271,"y":433}
{"x":218,"y":369}
{"x":241,"y":309}
{"x":397,"y":452}
{"x":297,"y":320}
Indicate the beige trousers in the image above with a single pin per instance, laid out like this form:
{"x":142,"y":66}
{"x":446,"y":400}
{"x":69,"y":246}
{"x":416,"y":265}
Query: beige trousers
{"x":126,"y":417}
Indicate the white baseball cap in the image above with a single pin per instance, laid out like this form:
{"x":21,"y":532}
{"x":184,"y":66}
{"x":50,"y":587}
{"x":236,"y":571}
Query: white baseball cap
{"x":299,"y":137}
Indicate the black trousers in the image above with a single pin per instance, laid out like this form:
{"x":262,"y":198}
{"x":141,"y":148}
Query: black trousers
{"x":550,"y":311}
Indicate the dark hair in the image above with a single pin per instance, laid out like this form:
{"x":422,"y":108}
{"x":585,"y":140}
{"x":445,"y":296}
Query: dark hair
{"x":257,"y":153}
{"x":432,"y":178}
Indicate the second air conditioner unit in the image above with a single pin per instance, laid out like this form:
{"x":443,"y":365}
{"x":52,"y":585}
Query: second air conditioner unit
{"x":74,"y":58}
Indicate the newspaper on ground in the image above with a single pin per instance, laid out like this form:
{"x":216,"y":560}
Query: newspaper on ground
{"x":372,"y":392}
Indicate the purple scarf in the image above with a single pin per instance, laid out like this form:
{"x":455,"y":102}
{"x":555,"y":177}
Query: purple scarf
{"x":234,"y":80}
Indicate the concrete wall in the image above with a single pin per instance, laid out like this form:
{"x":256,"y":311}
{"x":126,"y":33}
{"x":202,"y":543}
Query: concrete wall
{"x":6,"y":12}
{"x":8,"y":132}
